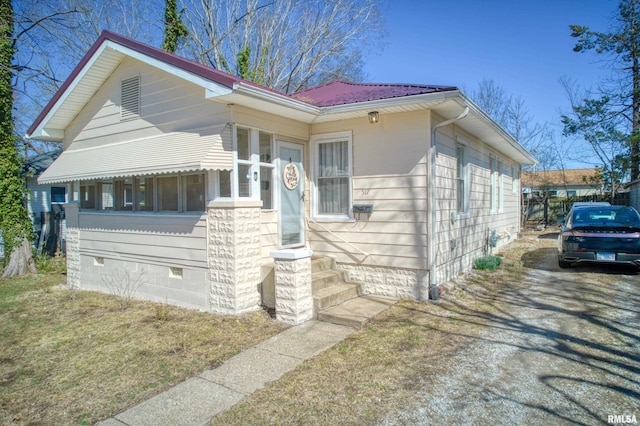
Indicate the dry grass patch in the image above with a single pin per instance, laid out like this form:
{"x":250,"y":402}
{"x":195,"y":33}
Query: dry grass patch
{"x":377,"y":370}
{"x":77,"y":357}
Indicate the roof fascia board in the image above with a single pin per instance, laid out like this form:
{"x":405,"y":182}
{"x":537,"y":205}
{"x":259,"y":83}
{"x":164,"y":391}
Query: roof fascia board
{"x":389,"y":102}
{"x":213,"y":89}
{"x":276,"y":98}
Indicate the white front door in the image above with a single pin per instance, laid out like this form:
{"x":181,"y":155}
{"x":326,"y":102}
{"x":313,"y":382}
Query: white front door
{"x":291,"y":177}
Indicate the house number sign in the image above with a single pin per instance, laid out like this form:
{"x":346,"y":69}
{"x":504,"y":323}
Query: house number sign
{"x":291,"y":176}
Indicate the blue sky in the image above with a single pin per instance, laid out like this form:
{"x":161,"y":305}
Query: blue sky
{"x":523,"y":46}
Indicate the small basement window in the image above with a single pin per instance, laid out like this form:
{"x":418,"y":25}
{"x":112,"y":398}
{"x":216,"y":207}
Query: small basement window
{"x":175,"y":272}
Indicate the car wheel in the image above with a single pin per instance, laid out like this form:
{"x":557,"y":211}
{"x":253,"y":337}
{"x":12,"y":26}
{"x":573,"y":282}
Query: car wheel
{"x":564,"y":264}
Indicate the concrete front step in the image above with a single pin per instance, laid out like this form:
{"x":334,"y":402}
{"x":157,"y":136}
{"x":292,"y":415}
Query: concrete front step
{"x":321,"y":263}
{"x":327,"y":278}
{"x":334,"y":295}
{"x":356,"y":312}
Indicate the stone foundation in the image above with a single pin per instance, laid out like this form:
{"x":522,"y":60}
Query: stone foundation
{"x":390,"y":282}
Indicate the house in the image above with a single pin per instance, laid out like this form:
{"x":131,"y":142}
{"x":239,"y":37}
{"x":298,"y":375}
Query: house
{"x":45,"y":203}
{"x":204,"y":190}
{"x":634,"y":194}
{"x":562,"y":183}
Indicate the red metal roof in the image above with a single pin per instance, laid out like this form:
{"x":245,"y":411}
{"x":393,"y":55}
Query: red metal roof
{"x":343,"y":92}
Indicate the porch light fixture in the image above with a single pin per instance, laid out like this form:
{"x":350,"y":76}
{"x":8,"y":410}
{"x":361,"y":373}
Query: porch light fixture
{"x":374,"y":117}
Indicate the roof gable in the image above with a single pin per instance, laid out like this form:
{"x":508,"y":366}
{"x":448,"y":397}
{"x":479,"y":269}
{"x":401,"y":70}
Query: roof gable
{"x":98,"y":64}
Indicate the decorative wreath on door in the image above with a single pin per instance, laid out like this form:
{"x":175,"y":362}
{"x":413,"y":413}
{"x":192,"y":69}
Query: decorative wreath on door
{"x":291,"y":176}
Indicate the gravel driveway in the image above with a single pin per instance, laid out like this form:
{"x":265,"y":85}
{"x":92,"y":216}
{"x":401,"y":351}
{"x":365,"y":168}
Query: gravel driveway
{"x":562,"y":349}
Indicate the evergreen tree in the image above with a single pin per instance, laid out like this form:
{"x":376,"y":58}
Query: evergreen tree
{"x":174,"y":28}
{"x":613,"y":119}
{"x":15,"y":225}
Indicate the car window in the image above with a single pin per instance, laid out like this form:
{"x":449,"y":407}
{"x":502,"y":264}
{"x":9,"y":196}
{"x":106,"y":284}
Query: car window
{"x":627,"y":217}
{"x":606,"y":216}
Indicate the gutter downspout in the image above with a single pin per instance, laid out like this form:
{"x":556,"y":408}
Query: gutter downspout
{"x":431,"y":214}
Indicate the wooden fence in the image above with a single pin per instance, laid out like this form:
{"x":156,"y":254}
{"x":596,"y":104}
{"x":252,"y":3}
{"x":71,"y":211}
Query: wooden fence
{"x":547,"y":211}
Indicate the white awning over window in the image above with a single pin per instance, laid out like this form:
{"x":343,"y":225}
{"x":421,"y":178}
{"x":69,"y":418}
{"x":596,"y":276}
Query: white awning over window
{"x":209,"y":149}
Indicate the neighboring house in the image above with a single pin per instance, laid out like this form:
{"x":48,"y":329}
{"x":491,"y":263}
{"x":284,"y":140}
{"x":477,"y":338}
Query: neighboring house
{"x":206,"y":190}
{"x":45,"y":204}
{"x":634,"y":194}
{"x":42,"y":199}
{"x":562,"y":183}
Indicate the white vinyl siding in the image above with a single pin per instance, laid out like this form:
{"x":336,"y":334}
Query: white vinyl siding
{"x":150,"y":246}
{"x":392,"y":180}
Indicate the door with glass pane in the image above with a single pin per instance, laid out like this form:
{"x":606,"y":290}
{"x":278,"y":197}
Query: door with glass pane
{"x":291,"y":177}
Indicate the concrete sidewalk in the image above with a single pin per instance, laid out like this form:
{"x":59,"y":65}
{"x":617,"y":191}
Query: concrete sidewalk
{"x":197,"y":400}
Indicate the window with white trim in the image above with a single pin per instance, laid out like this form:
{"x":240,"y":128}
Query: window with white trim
{"x":58,"y":194}
{"x":493,"y":169}
{"x":332,"y":175}
{"x":88,"y":195}
{"x":243,"y":162}
{"x":124,"y":194}
{"x":253,"y":174}
{"x":500,"y":187}
{"x":462,"y":180}
{"x":267,"y":169}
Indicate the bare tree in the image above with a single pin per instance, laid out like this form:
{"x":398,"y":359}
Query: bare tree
{"x":513,"y":115}
{"x":612,"y":117}
{"x":52,"y":37}
{"x":286,"y":45}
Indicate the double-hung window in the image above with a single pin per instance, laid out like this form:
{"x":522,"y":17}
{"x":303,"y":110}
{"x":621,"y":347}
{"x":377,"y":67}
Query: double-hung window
{"x":243,"y":177}
{"x":462,"y":180}
{"x":497,"y":183}
{"x":493,"y":166}
{"x":500,"y":187}
{"x":332,"y":175}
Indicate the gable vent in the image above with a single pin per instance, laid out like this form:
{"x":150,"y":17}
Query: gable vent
{"x":130,"y":98}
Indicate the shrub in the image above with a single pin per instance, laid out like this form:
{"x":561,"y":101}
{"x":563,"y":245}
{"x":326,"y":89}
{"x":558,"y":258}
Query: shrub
{"x":46,"y":264}
{"x":489,"y":263}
